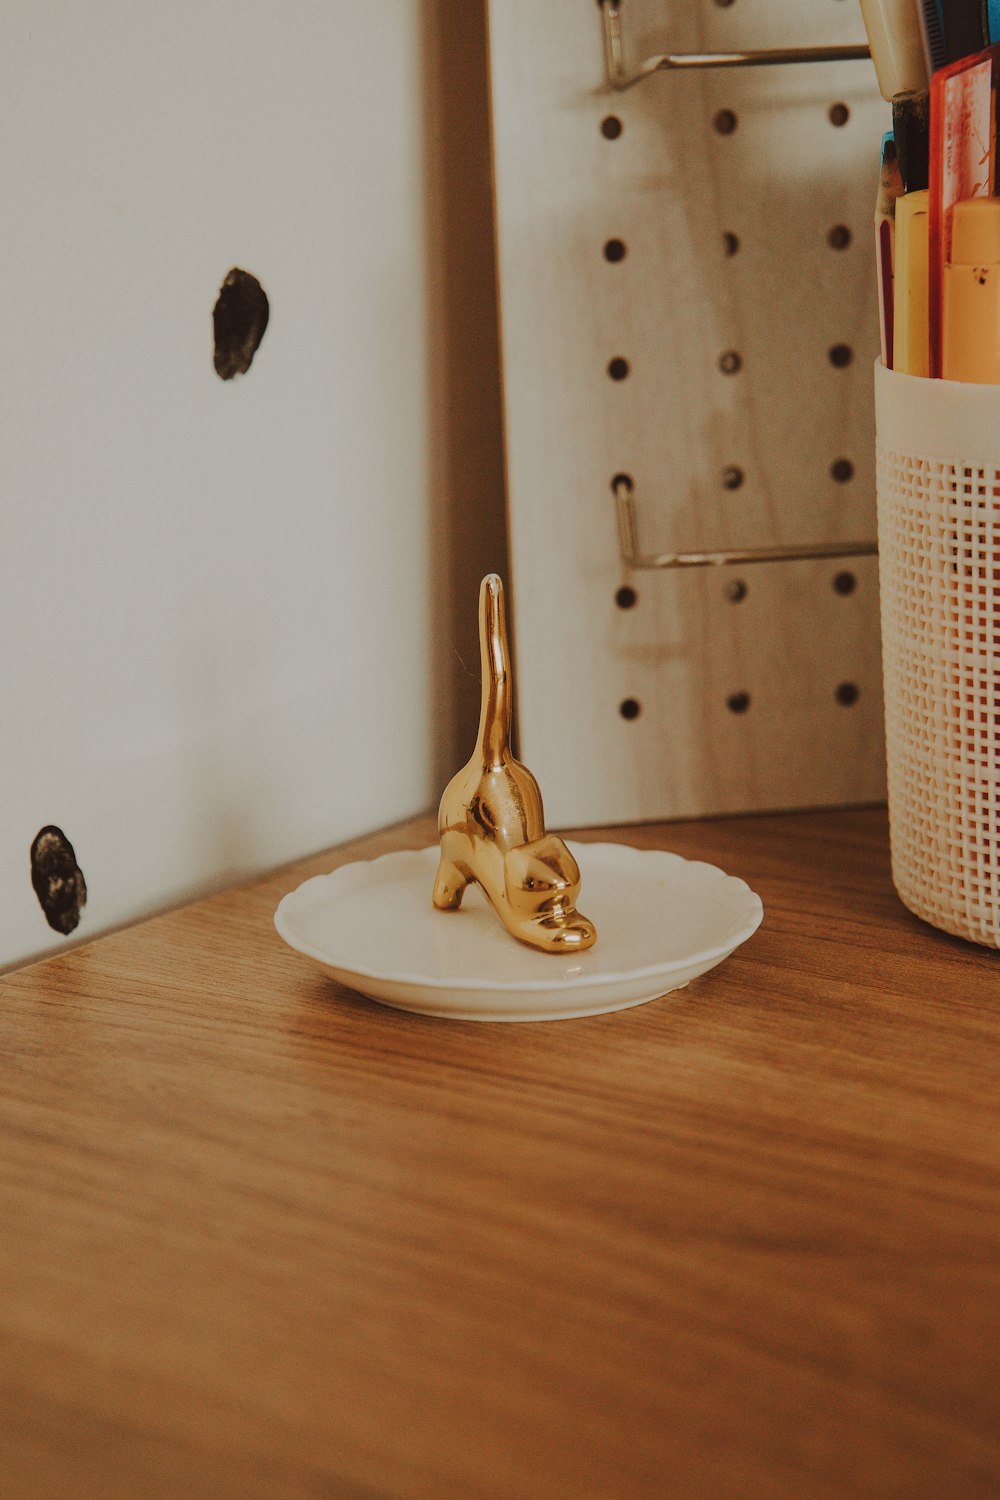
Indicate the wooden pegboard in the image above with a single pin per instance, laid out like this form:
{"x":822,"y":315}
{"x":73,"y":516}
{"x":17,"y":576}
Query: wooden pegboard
{"x":756,"y":687}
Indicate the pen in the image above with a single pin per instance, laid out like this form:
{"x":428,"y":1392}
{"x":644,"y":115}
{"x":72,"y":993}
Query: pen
{"x":910,"y":337}
{"x":965,"y":25}
{"x":896,"y":44}
{"x":932,"y":33}
{"x":911,"y":118}
{"x":890,"y":188}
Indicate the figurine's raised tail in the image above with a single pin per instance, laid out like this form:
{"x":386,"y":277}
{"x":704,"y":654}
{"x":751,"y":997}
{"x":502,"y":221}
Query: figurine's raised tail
{"x":498,"y":688}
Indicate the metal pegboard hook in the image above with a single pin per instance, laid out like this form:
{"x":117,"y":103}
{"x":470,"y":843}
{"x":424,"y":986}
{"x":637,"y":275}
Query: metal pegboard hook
{"x":623,"y":489}
{"x":620,"y":79}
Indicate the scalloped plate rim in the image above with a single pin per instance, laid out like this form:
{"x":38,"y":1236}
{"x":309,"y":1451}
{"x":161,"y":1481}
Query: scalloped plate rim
{"x":578,"y":982}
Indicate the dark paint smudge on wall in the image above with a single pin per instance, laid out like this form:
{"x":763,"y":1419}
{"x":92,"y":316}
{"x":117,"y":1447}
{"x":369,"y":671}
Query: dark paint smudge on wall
{"x":57,"y":879}
{"x":239,"y":318}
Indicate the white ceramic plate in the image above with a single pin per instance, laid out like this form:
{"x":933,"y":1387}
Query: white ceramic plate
{"x":661,"y":921}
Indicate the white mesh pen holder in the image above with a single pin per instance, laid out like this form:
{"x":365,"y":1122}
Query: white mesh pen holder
{"x":938,"y":488}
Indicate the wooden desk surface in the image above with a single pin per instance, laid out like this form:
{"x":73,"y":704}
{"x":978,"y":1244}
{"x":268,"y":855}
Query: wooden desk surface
{"x":262,"y":1238}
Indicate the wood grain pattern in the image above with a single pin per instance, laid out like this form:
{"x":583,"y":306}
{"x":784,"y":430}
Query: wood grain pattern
{"x":670,"y":186}
{"x":262,"y":1238}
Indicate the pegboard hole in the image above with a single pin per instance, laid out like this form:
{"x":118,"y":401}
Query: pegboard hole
{"x":611,"y":127}
{"x":840,"y":356}
{"x":725,"y":122}
{"x":847,"y":693}
{"x":844,"y":582}
{"x":842,"y":470}
{"x":618,"y":368}
{"x":732,"y":477}
{"x":839,"y":114}
{"x":736,"y":591}
{"x":630,"y":708}
{"x":738,"y":703}
{"x":626,"y":597}
{"x":730,"y":243}
{"x":731,"y":362}
{"x":838,"y":237}
{"x":622,"y":479}
{"x":614,"y":251}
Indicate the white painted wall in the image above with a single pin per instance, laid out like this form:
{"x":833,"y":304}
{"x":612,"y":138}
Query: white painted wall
{"x":217,"y":600}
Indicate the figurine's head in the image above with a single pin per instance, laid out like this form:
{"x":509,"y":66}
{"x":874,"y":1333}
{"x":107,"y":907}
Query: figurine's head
{"x":542,"y":882}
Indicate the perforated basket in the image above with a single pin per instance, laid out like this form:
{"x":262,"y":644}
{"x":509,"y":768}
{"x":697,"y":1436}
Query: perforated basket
{"x":938,"y":487}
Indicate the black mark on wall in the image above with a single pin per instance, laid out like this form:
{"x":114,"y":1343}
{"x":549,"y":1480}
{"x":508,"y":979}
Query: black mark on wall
{"x":239,"y":318}
{"x":57,"y":879}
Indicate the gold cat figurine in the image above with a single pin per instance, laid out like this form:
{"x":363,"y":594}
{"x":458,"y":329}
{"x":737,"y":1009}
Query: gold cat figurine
{"x":491,"y":824}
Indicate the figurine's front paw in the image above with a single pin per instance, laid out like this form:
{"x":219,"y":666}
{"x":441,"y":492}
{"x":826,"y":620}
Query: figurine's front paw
{"x":565,"y":932}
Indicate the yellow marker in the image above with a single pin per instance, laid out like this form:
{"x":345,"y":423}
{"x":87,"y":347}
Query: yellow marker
{"x":970,"y":346}
{"x":910,"y":327}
